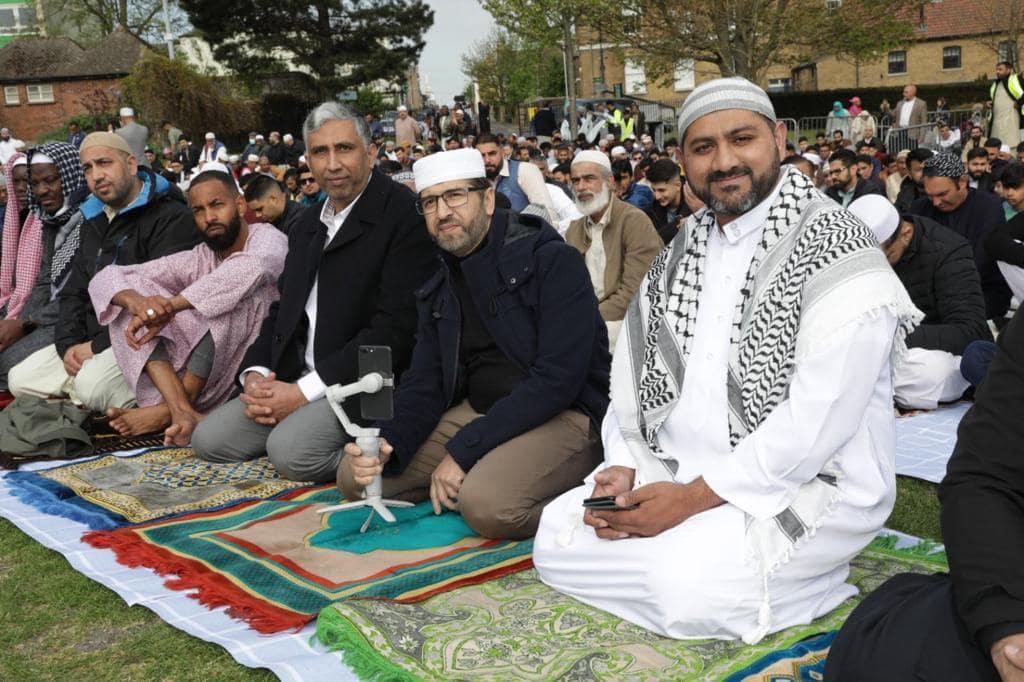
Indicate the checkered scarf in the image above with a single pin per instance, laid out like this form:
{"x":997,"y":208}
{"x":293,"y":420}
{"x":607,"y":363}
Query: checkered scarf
{"x":72,"y":181}
{"x":22,"y":249}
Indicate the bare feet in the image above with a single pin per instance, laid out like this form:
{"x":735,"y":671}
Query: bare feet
{"x":183,"y":423}
{"x":139,"y":421}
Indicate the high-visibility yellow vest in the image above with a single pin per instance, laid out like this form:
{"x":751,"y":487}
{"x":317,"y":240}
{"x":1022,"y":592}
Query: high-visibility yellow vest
{"x":1013,"y":85}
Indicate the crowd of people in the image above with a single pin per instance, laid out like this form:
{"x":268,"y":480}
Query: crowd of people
{"x":676,"y":367}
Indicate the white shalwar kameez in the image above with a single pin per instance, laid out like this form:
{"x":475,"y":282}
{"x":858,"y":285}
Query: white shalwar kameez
{"x":698,"y":579}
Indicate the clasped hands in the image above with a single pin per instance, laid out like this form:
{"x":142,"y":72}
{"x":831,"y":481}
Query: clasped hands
{"x":151,"y":312}
{"x":662,"y":505}
{"x":268,"y":401}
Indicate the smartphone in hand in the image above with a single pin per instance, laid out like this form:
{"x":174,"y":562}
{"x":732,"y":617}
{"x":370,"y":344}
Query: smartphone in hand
{"x":606,"y":503}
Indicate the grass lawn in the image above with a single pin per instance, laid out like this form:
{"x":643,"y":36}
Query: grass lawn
{"x":60,"y":625}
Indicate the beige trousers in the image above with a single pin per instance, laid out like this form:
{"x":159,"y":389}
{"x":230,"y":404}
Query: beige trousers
{"x":98,"y":385}
{"x":503,"y":495}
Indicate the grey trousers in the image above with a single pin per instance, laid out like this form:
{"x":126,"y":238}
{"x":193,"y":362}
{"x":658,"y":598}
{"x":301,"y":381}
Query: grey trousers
{"x":306,"y":446}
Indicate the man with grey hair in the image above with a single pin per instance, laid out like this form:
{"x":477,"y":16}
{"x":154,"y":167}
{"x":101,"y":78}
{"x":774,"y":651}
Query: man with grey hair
{"x":348,"y":281}
{"x":618,"y":241}
{"x":749,"y":442}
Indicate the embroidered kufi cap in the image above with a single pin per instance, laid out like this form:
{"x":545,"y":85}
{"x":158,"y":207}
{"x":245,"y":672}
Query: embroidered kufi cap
{"x":721,"y":94}
{"x":944,"y":166}
{"x":457,"y":164}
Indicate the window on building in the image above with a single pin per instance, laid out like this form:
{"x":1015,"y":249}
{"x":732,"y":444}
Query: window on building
{"x":635,"y":77}
{"x":685,"y":78}
{"x":833,"y":5}
{"x":897,"y":62}
{"x":951,"y":57}
{"x":39,"y":94}
{"x":8,"y":19}
{"x":631,"y":20}
{"x":1008,"y":51}
{"x":17,"y":19}
{"x":11,"y":94}
{"x":780,"y":84}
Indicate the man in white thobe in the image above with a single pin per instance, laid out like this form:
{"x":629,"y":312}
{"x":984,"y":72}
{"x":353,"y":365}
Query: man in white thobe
{"x":751,"y":419}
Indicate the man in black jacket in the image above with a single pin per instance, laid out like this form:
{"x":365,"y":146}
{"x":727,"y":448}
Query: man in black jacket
{"x":972,"y":215}
{"x":669,"y":211}
{"x":968,"y":625}
{"x":979,"y":176}
{"x":265,"y":197}
{"x":133,"y":216}
{"x":348,"y":281}
{"x":912,"y":187}
{"x":845,"y":184}
{"x":937,"y":269}
{"x":500,"y":411}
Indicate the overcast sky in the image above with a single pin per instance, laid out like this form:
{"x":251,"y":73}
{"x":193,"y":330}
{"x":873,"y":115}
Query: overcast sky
{"x":457,"y":25}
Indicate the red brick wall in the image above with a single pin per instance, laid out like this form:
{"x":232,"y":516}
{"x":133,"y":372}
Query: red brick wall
{"x":28,"y":121}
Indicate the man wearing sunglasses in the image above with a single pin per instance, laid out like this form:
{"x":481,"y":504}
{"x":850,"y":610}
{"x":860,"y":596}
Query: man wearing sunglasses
{"x":310,"y":188}
{"x":499,"y":411}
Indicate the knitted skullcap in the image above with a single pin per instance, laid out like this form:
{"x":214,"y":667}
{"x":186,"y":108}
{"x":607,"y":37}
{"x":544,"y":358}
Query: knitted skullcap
{"x":721,"y":94}
{"x":101,"y":139}
{"x":458,"y":164}
{"x":944,"y":166}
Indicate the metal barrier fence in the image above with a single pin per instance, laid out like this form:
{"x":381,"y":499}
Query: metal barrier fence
{"x":911,"y":137}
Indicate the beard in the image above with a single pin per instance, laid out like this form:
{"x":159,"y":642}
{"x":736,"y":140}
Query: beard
{"x":465,"y":239}
{"x":598,"y":203}
{"x":225,"y":239}
{"x":976,"y":175}
{"x":737,"y":204}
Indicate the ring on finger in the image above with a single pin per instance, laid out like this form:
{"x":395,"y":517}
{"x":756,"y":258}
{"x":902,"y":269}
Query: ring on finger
{"x":150,"y":312}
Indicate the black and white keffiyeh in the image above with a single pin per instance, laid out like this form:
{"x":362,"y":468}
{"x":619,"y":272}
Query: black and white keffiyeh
{"x":67,"y":222}
{"x":809,"y":249}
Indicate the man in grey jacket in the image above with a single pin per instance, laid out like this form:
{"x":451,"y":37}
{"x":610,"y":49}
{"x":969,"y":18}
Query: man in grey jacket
{"x":135,"y":134}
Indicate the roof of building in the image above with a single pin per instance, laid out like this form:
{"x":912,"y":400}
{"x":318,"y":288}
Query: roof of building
{"x":46,"y":59}
{"x":953,"y":18}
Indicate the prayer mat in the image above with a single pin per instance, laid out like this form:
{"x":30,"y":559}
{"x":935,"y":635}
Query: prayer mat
{"x":112,"y":491}
{"x":276,"y":563}
{"x":518,"y":628}
{"x":925,"y":441}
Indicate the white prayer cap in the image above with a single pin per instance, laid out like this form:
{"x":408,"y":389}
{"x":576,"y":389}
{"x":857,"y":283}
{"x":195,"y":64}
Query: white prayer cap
{"x":20,"y":161}
{"x":721,"y":94}
{"x":259,"y":136}
{"x":211,"y":136}
{"x":402,"y":107}
{"x":288,"y":137}
{"x":609,"y":137}
{"x":302,"y":159}
{"x":233,"y":158}
{"x":40,"y":158}
{"x":591,"y":156}
{"x":457,"y":164}
{"x":618,"y":150}
{"x":813,"y":158}
{"x":878,"y":213}
{"x":252,"y":157}
{"x":1005,"y":149}
{"x":127,"y":111}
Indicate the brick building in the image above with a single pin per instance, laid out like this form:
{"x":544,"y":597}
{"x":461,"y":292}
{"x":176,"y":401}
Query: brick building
{"x":46,"y":81}
{"x":955,"y":41}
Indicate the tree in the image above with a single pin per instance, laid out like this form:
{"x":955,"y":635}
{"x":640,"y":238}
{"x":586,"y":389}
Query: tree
{"x":864,"y":31}
{"x":343,"y":44}
{"x":553,"y":22}
{"x":161,"y":89}
{"x":90,"y":20}
{"x":1005,"y":21}
{"x":740,"y":37}
{"x":509,"y":70}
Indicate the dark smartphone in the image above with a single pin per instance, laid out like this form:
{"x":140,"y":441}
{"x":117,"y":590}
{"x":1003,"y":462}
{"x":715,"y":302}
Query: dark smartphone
{"x":606,"y":503}
{"x":377,"y":406}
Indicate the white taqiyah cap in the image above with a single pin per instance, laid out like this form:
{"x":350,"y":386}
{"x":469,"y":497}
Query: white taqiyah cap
{"x":592,"y":156}
{"x":127,"y":111}
{"x":1005,"y":149}
{"x":40,"y":158}
{"x":457,"y":164}
{"x":877,"y":213}
{"x":252,"y":157}
{"x":618,"y":150}
{"x":813,"y":158}
{"x":211,"y":136}
{"x":402,"y":107}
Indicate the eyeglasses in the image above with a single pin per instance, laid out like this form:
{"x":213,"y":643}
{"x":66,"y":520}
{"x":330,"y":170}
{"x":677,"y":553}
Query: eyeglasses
{"x":307,"y":181}
{"x":453,"y":198}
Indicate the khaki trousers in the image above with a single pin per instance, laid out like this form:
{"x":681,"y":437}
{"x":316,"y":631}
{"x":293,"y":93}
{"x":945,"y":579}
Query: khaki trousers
{"x":504,"y":493}
{"x":99,"y":384}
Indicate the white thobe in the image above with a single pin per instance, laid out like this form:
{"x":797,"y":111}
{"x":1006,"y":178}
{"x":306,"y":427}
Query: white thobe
{"x":565,"y":209}
{"x":311,"y":385}
{"x":698,"y":579}
{"x":924,"y":378}
{"x":597,"y":260}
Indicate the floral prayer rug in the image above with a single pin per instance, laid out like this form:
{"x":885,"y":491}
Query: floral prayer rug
{"x":276,"y":563}
{"x":112,"y":491}
{"x":518,"y":628}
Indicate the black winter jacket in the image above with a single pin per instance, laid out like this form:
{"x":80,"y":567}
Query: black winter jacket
{"x":156,"y":224}
{"x":939,"y":273}
{"x":533,"y":293}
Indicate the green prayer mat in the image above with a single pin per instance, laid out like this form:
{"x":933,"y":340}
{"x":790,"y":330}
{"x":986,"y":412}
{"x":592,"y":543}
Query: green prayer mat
{"x":516,"y":627}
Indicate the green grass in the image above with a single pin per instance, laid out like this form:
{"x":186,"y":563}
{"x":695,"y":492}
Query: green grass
{"x":60,"y":625}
